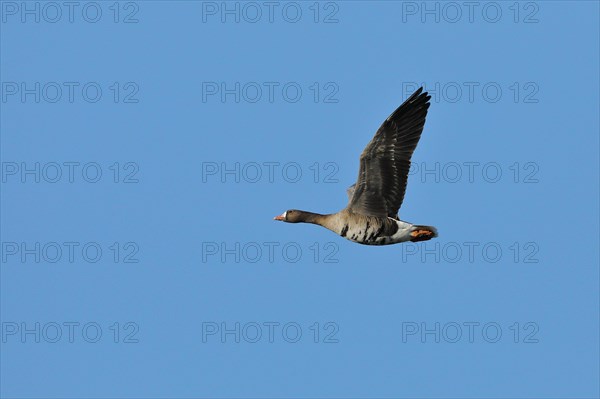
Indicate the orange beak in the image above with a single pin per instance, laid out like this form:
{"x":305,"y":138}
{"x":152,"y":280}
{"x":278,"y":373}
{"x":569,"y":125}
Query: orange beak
{"x":280,"y":218}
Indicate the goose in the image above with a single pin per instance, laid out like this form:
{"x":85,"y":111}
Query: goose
{"x":371,"y":216}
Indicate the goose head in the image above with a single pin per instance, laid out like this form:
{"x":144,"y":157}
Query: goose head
{"x":292,"y":216}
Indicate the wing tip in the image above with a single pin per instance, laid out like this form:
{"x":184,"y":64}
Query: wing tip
{"x":419,"y":99}
{"x":420,"y":95}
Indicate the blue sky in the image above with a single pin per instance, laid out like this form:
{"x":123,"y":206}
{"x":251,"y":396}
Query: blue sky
{"x":146,"y":147}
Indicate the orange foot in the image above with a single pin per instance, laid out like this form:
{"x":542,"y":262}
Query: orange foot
{"x":421,"y":235}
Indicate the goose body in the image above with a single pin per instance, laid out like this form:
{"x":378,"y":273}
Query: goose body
{"x":371,"y":217}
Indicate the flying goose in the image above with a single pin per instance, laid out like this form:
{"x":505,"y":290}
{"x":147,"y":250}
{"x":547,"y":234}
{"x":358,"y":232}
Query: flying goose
{"x":371,"y":216}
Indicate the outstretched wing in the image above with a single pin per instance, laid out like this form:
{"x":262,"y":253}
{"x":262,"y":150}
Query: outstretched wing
{"x":385,"y":162}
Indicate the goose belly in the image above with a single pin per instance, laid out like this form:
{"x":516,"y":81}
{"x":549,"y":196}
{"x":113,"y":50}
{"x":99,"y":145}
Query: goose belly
{"x":378,"y":233}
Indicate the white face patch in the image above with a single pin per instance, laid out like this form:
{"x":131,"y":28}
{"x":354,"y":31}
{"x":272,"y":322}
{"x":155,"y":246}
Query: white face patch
{"x":284,"y":214}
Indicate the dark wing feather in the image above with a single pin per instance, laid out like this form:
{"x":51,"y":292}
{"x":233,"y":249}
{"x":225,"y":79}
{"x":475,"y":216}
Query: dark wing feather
{"x":385,"y":162}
